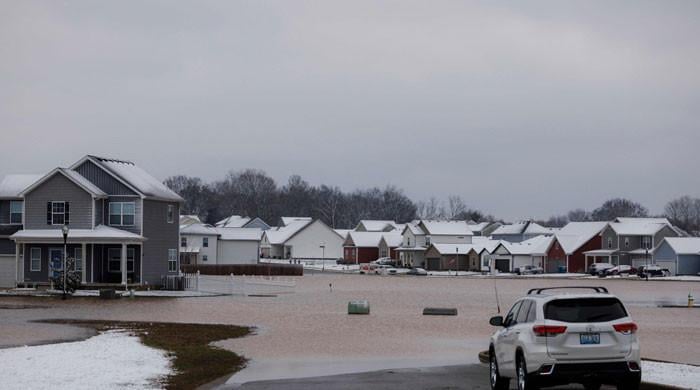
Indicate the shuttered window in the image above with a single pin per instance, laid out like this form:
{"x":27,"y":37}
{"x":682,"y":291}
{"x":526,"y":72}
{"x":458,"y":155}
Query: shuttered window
{"x":58,"y":213}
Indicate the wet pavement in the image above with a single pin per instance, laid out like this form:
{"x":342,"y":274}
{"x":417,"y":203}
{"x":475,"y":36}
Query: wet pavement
{"x":308,"y":333}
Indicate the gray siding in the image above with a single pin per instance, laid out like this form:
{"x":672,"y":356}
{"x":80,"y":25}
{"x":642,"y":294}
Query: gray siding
{"x":99,"y":212}
{"x":664,"y":252}
{"x":608,"y":232}
{"x":688,"y":265}
{"x":138,"y":210}
{"x":4,"y":211}
{"x":665,"y":232}
{"x":160,"y":236}
{"x":508,"y":237}
{"x":102,"y":179}
{"x":7,"y":246}
{"x":58,"y":188}
{"x":635,"y":242}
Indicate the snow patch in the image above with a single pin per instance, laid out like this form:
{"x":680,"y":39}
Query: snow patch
{"x":114,"y":359}
{"x":673,"y":374}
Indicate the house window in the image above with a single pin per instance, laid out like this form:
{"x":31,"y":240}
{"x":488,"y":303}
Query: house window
{"x":205,"y":242}
{"x":172,"y":260}
{"x":627,"y":242}
{"x":115,"y":260}
{"x":171,"y":213}
{"x":427,"y":240}
{"x":183,"y":242}
{"x":78,"y":257}
{"x":121,"y":213}
{"x":609,"y":242}
{"x":646,"y":242}
{"x":35,"y":264}
{"x":58,"y":213}
{"x":16,"y":212}
{"x":205,"y":257}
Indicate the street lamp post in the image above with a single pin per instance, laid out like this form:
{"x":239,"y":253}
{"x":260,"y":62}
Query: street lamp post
{"x":323,"y":256}
{"x":65,"y":231}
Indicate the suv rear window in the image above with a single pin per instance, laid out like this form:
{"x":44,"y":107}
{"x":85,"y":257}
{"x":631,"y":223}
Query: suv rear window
{"x":585,"y":310}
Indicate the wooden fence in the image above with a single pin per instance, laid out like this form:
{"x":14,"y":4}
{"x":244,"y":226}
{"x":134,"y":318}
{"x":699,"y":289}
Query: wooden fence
{"x":245,"y":269}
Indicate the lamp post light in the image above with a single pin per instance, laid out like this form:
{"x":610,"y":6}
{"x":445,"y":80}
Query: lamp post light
{"x":65,"y":231}
{"x":323,"y":256}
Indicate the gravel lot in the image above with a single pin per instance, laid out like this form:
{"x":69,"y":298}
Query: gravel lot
{"x":308,"y":333}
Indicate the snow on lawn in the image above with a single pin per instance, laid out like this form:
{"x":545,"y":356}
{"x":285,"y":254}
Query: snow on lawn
{"x":111,"y":360}
{"x":673,"y":374}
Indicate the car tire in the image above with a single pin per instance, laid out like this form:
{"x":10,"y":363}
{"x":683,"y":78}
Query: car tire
{"x":524,"y":381}
{"x":630,"y":384}
{"x":495,"y":379}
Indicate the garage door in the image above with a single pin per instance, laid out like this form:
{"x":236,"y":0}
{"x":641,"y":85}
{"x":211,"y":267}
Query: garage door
{"x":668,"y":264}
{"x":503,"y":265}
{"x":7,"y":271}
{"x":433,"y":264}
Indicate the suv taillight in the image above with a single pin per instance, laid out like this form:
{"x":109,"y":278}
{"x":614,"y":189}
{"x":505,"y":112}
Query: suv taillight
{"x":626,"y":328}
{"x":548,"y":330}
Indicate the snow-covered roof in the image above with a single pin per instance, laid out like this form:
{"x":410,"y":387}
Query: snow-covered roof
{"x":684,"y":245}
{"x":414,"y":228}
{"x":478,"y":227}
{"x":289,"y":220}
{"x":137,"y":178}
{"x":575,"y":234}
{"x":523,"y":227}
{"x":643,"y":219}
{"x":534,"y":246}
{"x":239,"y":234}
{"x":446,"y":228}
{"x":639,"y":226}
{"x":190,"y":249}
{"x":12,"y":185}
{"x":99,"y":233}
{"x":343,"y":232}
{"x":189,"y":219}
{"x":199,"y":229}
{"x":392,"y":239}
{"x":283,"y":233}
{"x":371,"y":225}
{"x":233,"y":221}
{"x":364,"y":239}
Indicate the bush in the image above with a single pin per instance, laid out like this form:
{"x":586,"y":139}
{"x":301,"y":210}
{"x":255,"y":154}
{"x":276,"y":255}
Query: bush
{"x":73,"y":277}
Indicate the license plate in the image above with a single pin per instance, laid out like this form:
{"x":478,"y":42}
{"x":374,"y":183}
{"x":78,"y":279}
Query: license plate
{"x":590,"y":338}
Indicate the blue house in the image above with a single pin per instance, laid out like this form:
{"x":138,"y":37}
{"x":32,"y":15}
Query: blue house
{"x":681,"y":255}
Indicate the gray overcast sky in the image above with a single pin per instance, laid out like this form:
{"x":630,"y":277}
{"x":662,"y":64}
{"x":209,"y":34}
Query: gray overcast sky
{"x":525,"y":109}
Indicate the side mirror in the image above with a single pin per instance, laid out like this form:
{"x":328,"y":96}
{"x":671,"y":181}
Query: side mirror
{"x":496,"y":321}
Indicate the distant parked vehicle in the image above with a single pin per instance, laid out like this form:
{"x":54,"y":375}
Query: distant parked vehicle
{"x":380,"y":268}
{"x":652,"y":270}
{"x":385,"y":261}
{"x":392,"y":271}
{"x":529,"y":270}
{"x":621,"y":270}
{"x":417,"y":272}
{"x":599,"y":268}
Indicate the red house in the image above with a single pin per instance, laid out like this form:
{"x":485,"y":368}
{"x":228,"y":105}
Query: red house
{"x":361,"y":247}
{"x":570,"y":243}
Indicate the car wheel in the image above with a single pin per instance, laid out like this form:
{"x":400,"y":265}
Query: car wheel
{"x":495,"y":379}
{"x":524,"y":381}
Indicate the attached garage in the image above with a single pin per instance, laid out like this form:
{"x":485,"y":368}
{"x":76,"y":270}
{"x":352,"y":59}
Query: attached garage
{"x":668,"y":264}
{"x":681,"y":255}
{"x":7,"y":271}
{"x":502,"y":265}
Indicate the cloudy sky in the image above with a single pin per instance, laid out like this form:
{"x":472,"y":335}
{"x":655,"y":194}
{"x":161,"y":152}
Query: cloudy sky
{"x":525,"y":109}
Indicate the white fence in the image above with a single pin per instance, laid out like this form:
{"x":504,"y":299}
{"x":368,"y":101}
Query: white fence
{"x":239,"y":285}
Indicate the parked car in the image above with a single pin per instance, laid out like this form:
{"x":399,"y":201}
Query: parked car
{"x":391,"y":271}
{"x":380,"y":268}
{"x":529,"y":270}
{"x":652,"y":270}
{"x":621,"y":270}
{"x":417,"y":272}
{"x":599,"y":268}
{"x":385,"y":261}
{"x":549,"y":339}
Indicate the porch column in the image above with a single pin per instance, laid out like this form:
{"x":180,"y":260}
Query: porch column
{"x":123,"y":263}
{"x":17,"y":273}
{"x":83,"y":263}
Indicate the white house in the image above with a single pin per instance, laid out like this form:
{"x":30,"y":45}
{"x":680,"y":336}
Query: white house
{"x":302,"y":238}
{"x":198,"y":244}
{"x":418,"y":236}
{"x":238,"y":245}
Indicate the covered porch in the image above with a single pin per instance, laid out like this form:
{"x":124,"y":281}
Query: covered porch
{"x":601,"y":256}
{"x":189,"y":255}
{"x":102,"y":255}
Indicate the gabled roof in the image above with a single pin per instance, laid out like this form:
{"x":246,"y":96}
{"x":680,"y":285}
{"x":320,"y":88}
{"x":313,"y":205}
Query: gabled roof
{"x":446,"y":228}
{"x":478,"y":227}
{"x":414,"y":228}
{"x":233,"y":221}
{"x":71,"y":175}
{"x":392,"y":239}
{"x":289,"y":220}
{"x":12,"y":185}
{"x":639,"y":226}
{"x":343,"y":232}
{"x":189,"y":220}
{"x":133,"y":177}
{"x":575,"y":234}
{"x":684,"y":245}
{"x":523,"y":227}
{"x":283,"y":233}
{"x":371,"y":225}
{"x":239,"y":234}
{"x":259,"y":220}
{"x":535,"y":246}
{"x":363,"y":239}
{"x":199,"y":229}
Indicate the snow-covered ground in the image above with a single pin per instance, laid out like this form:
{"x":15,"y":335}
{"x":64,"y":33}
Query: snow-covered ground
{"x":111,"y":360}
{"x":680,"y":375}
{"x":96,"y":293}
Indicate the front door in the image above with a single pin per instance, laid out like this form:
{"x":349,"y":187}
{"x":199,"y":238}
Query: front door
{"x":55,"y":261}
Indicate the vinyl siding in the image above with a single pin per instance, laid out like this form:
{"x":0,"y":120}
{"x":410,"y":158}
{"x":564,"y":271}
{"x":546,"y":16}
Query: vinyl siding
{"x":688,"y":265}
{"x":58,"y":188}
{"x":102,"y":179}
{"x":4,"y":211}
{"x":661,"y":234}
{"x":237,"y":252}
{"x":160,"y":236}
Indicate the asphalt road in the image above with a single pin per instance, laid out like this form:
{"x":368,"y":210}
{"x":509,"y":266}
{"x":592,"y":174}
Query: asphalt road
{"x":467,"y":377}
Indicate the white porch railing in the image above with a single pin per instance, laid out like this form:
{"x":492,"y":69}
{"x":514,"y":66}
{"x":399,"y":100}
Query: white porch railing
{"x":239,"y":285}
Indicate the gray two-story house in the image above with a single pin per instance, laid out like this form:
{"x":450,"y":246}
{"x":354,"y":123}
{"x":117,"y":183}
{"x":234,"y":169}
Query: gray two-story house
{"x":123,"y":224}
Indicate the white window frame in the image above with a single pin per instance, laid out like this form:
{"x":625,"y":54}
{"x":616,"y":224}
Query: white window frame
{"x":171,"y":213}
{"x":54,"y":213}
{"x":172,"y":259}
{"x":610,"y":242}
{"x":183,"y":240}
{"x":205,"y":258}
{"x":130,"y":258}
{"x":78,"y":260}
{"x":205,"y":242}
{"x":121,"y":213}
{"x":646,"y":242}
{"x":32,"y":259}
{"x":21,"y":211}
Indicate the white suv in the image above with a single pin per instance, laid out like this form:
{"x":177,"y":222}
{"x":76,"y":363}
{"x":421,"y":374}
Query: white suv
{"x":555,"y":339}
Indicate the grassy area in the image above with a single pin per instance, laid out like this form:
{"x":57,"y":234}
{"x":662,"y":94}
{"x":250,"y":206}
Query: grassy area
{"x":195,"y":361}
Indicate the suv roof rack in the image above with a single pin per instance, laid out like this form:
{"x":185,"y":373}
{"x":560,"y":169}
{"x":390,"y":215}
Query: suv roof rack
{"x":599,"y":290}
